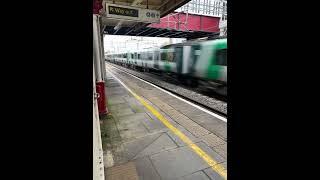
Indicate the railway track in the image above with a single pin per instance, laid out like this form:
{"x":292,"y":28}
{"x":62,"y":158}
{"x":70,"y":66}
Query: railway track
{"x":201,"y":89}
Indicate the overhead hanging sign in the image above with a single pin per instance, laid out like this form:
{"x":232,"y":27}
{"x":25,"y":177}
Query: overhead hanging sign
{"x":132,"y":13}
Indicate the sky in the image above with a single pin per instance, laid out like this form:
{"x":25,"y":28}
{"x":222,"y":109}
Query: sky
{"x":117,"y":43}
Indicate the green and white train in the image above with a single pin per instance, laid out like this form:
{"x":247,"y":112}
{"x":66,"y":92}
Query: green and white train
{"x":195,"y":62}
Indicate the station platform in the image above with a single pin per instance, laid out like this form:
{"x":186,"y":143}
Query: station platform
{"x":152,"y":135}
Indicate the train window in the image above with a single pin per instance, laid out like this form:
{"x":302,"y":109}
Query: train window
{"x":171,"y":56}
{"x":139,"y":56}
{"x":156,"y":55}
{"x":168,"y":55}
{"x":163,"y":56}
{"x":195,"y":53}
{"x":144,"y":56}
{"x":125,"y":55}
{"x":131,"y":56}
{"x":221,"y":57}
{"x":149,"y":55}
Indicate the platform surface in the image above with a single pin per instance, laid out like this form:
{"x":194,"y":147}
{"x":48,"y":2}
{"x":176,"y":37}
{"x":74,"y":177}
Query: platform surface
{"x":138,"y":146}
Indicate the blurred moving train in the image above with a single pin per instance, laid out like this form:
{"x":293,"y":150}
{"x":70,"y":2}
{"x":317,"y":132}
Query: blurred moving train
{"x":202,"y":62}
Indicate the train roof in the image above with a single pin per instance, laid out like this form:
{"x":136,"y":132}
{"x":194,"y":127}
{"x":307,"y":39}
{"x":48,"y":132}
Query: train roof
{"x":141,"y":51}
{"x":179,"y":44}
{"x":197,"y":42}
{"x":215,"y":42}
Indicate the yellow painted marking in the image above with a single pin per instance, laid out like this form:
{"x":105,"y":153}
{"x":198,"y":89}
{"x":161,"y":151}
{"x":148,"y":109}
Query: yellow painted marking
{"x":212,"y":163}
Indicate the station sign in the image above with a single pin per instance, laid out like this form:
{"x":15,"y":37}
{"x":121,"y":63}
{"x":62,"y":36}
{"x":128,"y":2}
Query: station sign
{"x":130,"y":13}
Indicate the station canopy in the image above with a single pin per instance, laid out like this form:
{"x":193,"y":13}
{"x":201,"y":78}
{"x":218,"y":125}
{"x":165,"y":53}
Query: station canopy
{"x":142,"y":14}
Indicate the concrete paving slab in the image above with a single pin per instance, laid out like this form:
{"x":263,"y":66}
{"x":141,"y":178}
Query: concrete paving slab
{"x":212,"y":174}
{"x":118,"y":107}
{"x":177,"y":163}
{"x":164,"y":142}
{"x":195,"y":176}
{"x":132,"y":148}
{"x":145,"y":169}
{"x":124,"y":112}
{"x":115,"y":99}
{"x":153,"y":125}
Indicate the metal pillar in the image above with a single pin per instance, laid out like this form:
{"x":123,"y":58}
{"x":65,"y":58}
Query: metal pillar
{"x":96,"y":51}
{"x":103,"y":62}
{"x":99,"y":65}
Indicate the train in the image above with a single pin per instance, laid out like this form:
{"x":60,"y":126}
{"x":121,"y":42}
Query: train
{"x":193,"y":62}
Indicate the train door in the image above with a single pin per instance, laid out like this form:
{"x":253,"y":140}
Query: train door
{"x":127,"y":58}
{"x":131,"y":58}
{"x":221,"y":60}
{"x":170,"y":60}
{"x":139,"y":62}
{"x":178,"y":58}
{"x":194,"y":57}
{"x":150,"y":59}
{"x":218,"y":68}
{"x":186,"y":60}
{"x":162,"y":59}
{"x":135,"y":58}
{"x":156,"y":58}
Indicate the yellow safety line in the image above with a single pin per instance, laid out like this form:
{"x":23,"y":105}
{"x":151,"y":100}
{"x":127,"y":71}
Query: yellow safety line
{"x":214,"y":165}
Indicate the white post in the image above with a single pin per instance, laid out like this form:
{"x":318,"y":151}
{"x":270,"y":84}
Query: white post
{"x":103,"y":63}
{"x":101,"y":49}
{"x":98,"y":165}
{"x":96,"y":47}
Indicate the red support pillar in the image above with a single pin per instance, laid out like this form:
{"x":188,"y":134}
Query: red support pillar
{"x":97,"y":6}
{"x":102,"y":106}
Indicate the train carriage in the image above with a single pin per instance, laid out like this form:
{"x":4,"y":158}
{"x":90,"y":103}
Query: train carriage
{"x":211,"y":61}
{"x":204,"y":61}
